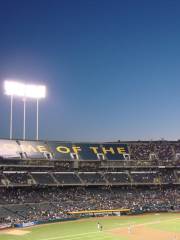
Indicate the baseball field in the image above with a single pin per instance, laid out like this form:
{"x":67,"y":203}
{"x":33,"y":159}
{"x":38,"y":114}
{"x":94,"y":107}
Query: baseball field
{"x":164,"y":226}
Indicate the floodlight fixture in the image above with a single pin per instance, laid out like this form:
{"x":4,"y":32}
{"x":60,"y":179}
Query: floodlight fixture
{"x":19,"y":89}
{"x":25,"y":91}
{"x":35,"y":91}
{"x":13,"y":88}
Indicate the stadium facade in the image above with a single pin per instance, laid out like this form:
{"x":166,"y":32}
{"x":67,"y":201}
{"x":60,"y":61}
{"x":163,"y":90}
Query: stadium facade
{"x":55,"y":180}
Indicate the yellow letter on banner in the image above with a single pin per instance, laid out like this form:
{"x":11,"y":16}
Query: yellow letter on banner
{"x":42,"y":148}
{"x":106,"y":150}
{"x":94,"y":149}
{"x":62,"y":149}
{"x":76,"y":149}
{"x":121,"y":150}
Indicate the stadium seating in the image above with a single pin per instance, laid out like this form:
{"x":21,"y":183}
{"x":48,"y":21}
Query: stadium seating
{"x":41,"y":180}
{"x":92,"y":178}
{"x":117,"y":177}
{"x":18,"y":178}
{"x":67,"y":178}
{"x":145,"y":177}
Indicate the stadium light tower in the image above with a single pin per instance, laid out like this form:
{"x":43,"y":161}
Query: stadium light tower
{"x":25,"y":91}
{"x":10,"y":89}
{"x":36,"y":92}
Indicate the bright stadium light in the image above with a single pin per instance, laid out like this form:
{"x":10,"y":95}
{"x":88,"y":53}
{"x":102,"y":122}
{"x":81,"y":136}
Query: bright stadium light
{"x":14,"y":88}
{"x":35,"y":91}
{"x":25,"y":91}
{"x":19,"y":89}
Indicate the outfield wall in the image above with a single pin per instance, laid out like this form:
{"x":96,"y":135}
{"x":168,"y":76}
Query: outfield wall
{"x":87,"y":214}
{"x":29,"y":224}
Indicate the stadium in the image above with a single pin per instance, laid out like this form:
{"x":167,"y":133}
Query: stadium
{"x":89,"y":120}
{"x":66,"y":190}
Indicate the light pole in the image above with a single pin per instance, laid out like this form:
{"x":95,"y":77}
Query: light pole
{"x":24,"y":118}
{"x":24,"y":91}
{"x":37,"y":119}
{"x":36,"y":92}
{"x":11,"y":119}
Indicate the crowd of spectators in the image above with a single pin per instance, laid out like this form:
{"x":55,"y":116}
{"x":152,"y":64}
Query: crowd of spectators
{"x":15,"y":178}
{"x":141,"y":151}
{"x":119,"y":177}
{"x":155,"y":151}
{"x":145,"y":177}
{"x":22,"y":205}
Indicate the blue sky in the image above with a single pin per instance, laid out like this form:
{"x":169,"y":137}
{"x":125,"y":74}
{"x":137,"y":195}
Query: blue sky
{"x":112,"y":68}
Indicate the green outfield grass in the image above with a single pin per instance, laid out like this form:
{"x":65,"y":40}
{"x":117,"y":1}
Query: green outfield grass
{"x":87,"y":229}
